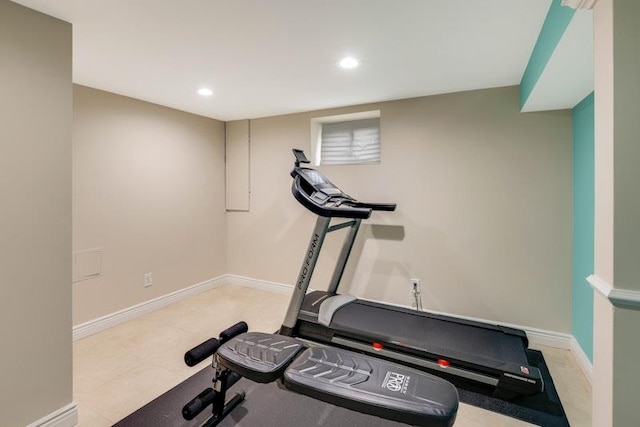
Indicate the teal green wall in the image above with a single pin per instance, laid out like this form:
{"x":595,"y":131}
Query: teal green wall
{"x":583,"y":223}
{"x":555,"y":24}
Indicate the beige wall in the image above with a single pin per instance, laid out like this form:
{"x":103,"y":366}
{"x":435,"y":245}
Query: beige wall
{"x":483,"y":218}
{"x":626,"y":133}
{"x":148,"y":188}
{"x":617,"y":244}
{"x":35,"y":214}
{"x":626,"y":208}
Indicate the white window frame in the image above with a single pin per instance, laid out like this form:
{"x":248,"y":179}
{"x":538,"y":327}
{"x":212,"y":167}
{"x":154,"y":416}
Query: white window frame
{"x":316,"y":130}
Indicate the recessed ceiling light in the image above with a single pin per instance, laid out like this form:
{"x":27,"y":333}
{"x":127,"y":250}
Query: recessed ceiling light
{"x":205,"y":91}
{"x":349,"y":62}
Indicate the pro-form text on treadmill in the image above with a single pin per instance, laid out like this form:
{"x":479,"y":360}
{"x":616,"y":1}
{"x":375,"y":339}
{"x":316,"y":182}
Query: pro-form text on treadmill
{"x":307,"y":261}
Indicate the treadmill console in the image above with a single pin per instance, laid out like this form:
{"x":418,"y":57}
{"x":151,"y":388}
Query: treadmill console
{"x":315,"y":192}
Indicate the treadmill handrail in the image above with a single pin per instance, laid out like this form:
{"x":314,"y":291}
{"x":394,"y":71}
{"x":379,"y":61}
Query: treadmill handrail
{"x":343,"y":211}
{"x":389,"y":207}
{"x":335,"y":205}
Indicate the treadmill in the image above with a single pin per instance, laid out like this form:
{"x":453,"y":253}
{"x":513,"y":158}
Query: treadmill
{"x":462,"y":351}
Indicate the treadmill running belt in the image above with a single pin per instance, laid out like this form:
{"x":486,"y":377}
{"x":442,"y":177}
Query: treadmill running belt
{"x":451,"y":340}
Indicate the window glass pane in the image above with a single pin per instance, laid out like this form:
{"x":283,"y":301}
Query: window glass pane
{"x":352,"y":142}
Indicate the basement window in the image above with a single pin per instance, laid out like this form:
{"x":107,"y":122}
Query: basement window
{"x":346,"y":139}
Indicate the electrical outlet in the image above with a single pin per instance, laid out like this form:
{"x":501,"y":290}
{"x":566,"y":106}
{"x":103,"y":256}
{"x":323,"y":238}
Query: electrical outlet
{"x":415,"y":293}
{"x":148,"y":280}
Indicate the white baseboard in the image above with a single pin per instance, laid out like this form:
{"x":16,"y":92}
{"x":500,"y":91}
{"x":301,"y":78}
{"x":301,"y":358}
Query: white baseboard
{"x":547,"y":338}
{"x":248,"y":282}
{"x":582,"y":359}
{"x":110,"y":320}
{"x":67,"y":416}
{"x":536,"y":336}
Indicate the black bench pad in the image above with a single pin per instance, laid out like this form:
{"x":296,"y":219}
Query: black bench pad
{"x":258,"y":356}
{"x":373,"y":386}
{"x":343,"y":378}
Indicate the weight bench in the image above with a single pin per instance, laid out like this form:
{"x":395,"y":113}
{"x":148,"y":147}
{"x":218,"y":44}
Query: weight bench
{"x":340,"y":377}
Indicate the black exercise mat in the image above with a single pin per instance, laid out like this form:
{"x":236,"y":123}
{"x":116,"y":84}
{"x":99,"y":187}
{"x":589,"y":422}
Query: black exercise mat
{"x":267,"y":405}
{"x":543,"y":409}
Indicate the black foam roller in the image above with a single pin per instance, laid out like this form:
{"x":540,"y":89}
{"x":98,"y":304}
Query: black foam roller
{"x":237,"y":329}
{"x":198,"y":353}
{"x":198,"y":404}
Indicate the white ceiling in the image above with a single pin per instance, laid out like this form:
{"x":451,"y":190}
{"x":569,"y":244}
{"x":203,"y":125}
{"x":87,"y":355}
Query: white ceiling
{"x":270,"y":57}
{"x":568,"y":75}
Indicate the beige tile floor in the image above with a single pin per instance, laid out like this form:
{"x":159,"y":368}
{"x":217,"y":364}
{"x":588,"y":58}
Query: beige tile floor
{"x":123,"y":368}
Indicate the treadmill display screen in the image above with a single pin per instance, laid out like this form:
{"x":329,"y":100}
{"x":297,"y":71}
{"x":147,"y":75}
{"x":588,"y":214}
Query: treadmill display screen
{"x":320,"y":183}
{"x":315,"y":177}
